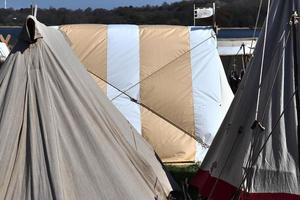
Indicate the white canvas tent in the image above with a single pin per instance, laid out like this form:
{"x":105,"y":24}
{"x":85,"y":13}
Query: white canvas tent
{"x":61,"y":138}
{"x":176,"y":91}
{"x":255,"y":154}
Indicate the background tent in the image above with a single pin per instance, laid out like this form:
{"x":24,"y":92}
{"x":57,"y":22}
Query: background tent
{"x":61,"y":138}
{"x":257,"y":148}
{"x":175,"y":87}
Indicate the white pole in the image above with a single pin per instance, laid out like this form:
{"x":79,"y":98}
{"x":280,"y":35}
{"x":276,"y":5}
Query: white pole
{"x":35,"y":10}
{"x":4,"y":4}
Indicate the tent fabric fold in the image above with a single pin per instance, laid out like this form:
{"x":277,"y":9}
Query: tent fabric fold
{"x":61,"y":138}
{"x":258,"y":158}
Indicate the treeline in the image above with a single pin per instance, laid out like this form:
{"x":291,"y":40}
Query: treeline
{"x":230,"y":13}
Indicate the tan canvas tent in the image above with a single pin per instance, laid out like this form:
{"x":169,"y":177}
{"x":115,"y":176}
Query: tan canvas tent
{"x":176,"y":91}
{"x":256,"y":152}
{"x":61,"y":138}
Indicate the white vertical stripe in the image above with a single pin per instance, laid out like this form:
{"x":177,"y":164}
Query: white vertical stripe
{"x":207,"y":86}
{"x":123,"y":69}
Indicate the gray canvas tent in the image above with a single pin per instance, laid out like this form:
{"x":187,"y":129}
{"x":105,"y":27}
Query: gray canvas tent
{"x":255,"y":154}
{"x":61,"y":138}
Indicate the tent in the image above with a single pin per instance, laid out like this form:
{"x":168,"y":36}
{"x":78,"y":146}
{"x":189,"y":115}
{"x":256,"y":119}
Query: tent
{"x":168,"y":81}
{"x":61,"y":138}
{"x":255,"y":154}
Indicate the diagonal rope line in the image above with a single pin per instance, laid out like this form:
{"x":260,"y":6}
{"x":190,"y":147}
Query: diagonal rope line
{"x":262,"y":61}
{"x":198,"y":139}
{"x":232,"y":148}
{"x":254,"y":145}
{"x":163,"y":67}
{"x":266,"y":141}
{"x":256,"y":24}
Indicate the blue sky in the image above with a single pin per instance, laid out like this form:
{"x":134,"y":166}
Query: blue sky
{"x":74,"y":4}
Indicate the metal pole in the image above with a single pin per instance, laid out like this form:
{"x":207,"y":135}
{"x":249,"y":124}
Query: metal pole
{"x":214,"y":18}
{"x":5,"y":4}
{"x":294,"y":21}
{"x":194,"y":15}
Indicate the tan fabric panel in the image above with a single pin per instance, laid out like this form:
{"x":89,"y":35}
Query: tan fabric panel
{"x":90,"y":46}
{"x":100,"y":83}
{"x":161,"y":45}
{"x":171,"y":144}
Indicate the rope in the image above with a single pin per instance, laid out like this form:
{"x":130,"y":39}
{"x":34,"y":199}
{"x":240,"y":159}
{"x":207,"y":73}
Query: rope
{"x":254,"y":145}
{"x":256,"y":24}
{"x":234,"y":57}
{"x":163,"y":67}
{"x":264,"y":112}
{"x":269,"y":97}
{"x":267,"y":139}
{"x":198,"y":139}
{"x":262,"y":62}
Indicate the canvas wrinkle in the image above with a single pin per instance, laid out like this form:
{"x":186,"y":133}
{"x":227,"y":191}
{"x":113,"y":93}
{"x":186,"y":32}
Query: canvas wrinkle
{"x":54,"y":121}
{"x":91,"y":169}
{"x":4,"y":107}
{"x":93,"y":117}
{"x":38,"y":130}
{"x":20,"y":135}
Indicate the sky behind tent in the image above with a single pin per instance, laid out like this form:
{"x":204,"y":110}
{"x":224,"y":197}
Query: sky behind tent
{"x":75,"y":4}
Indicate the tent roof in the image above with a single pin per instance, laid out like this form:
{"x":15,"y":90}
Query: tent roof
{"x":61,"y":138}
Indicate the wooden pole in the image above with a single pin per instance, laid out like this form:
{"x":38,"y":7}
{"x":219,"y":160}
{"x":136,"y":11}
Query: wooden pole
{"x":194,"y":15}
{"x":294,"y":21}
{"x":35,"y":10}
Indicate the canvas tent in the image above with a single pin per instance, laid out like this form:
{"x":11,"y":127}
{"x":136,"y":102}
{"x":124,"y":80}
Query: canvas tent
{"x":176,"y":91}
{"x":255,"y":154}
{"x":61,"y":138}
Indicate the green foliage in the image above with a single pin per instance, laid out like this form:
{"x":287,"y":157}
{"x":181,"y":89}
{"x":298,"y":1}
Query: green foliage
{"x":232,"y":13}
{"x":182,"y":175}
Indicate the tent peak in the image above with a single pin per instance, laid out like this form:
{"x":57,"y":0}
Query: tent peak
{"x":32,"y":30}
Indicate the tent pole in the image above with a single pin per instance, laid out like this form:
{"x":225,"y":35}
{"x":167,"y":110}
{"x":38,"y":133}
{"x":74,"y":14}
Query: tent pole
{"x":35,"y":10}
{"x":244,"y":57}
{"x":194,"y":14}
{"x":294,"y":21}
